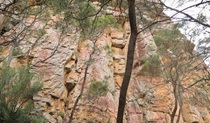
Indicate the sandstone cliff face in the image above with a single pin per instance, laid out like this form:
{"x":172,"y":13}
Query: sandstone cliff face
{"x":63,"y":58}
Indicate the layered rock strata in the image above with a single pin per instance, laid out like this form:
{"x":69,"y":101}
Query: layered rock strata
{"x":62,"y":58}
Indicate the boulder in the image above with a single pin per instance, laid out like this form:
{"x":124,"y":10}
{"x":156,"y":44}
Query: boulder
{"x":191,"y":114}
{"x":118,"y":43}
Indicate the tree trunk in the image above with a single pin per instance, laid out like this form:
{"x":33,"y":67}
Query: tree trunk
{"x":83,"y":84}
{"x":129,"y":63}
{"x":180,"y":102}
{"x":10,"y":55}
{"x":176,"y":102}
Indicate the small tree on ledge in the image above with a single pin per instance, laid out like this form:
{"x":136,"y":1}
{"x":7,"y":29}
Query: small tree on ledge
{"x":16,"y":92}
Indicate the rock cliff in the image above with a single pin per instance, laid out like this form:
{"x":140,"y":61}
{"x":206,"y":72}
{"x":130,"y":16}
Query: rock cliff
{"x":64,"y":59}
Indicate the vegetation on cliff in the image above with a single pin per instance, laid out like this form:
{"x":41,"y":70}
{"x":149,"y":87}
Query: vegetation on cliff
{"x":175,"y":56}
{"x":16,"y":94}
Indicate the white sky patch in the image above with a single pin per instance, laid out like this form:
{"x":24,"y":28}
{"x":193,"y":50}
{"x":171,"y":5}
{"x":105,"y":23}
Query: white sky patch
{"x":193,"y":31}
{"x":194,"y":12}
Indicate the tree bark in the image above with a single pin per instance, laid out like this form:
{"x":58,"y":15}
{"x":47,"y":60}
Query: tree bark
{"x":180,"y":102}
{"x":176,"y":102}
{"x":129,"y":63}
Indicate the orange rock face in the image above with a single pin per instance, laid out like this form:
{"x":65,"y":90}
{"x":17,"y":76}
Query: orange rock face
{"x":63,"y":59}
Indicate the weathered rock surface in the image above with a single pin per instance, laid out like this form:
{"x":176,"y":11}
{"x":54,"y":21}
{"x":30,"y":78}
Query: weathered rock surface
{"x":191,"y":114}
{"x":63,"y":58}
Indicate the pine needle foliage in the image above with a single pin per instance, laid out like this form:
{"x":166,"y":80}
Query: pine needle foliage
{"x":84,"y":15}
{"x":167,"y":38}
{"x":17,"y":51}
{"x":98,"y":88}
{"x":152,"y":66}
{"x":173,"y":40}
{"x":16,"y":93}
{"x":57,"y":5}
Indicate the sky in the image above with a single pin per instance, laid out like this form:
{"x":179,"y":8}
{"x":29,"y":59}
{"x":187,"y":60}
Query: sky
{"x":194,"y":11}
{"x":194,"y":32}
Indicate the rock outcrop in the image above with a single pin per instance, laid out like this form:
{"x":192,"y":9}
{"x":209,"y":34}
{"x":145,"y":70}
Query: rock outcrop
{"x":62,"y":58}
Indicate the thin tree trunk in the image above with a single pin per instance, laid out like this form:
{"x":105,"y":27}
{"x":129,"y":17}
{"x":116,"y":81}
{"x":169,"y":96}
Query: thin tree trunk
{"x":176,"y":102}
{"x":180,"y":103}
{"x":10,"y":55}
{"x":129,"y":63}
{"x":14,"y":44}
{"x":83,"y":85}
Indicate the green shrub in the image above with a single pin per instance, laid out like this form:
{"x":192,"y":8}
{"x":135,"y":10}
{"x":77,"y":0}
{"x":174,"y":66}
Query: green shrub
{"x":83,"y":15}
{"x":98,"y":88}
{"x":167,"y":37}
{"x":61,"y":114}
{"x":91,"y":121}
{"x":16,"y":93}
{"x":1,"y":49}
{"x":173,"y":40}
{"x":17,"y":51}
{"x":57,"y":5}
{"x":152,"y":66}
{"x":150,"y":48}
{"x":41,"y":32}
{"x":106,"y":20}
{"x":108,"y":49}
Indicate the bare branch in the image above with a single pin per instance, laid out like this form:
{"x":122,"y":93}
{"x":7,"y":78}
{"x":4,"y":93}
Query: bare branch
{"x":187,"y":15}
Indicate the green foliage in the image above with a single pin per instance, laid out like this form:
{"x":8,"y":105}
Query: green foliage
{"x":81,"y":11}
{"x":152,"y":66}
{"x":201,"y":18}
{"x":108,"y":49}
{"x":81,"y":15}
{"x":1,"y":49}
{"x":38,"y":118}
{"x":150,"y":48}
{"x":105,"y":21}
{"x":91,"y":121}
{"x":173,"y":40}
{"x":16,"y":92}
{"x":20,"y":5}
{"x":61,"y":114}
{"x":109,"y":121}
{"x":41,"y":32}
{"x":85,"y":9}
{"x":58,"y":5}
{"x":17,"y":51}
{"x":88,"y":21}
{"x":98,"y":88}
{"x":201,"y":95}
{"x":97,"y":24}
{"x":167,"y":38}
{"x":84,"y":15}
